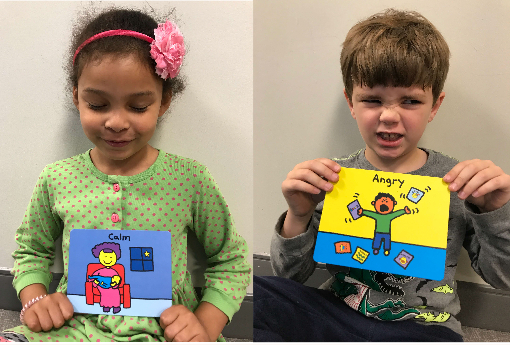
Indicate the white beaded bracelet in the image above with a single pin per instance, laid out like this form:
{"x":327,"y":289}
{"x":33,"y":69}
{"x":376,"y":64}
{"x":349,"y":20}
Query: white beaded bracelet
{"x":28,"y":305}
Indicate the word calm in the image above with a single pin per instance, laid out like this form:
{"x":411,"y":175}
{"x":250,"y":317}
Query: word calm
{"x":119,"y":237}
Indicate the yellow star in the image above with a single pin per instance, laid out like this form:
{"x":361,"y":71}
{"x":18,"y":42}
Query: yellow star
{"x":147,"y":253}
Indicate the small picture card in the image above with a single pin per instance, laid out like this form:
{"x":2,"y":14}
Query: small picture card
{"x":120,"y":272}
{"x":394,"y":223}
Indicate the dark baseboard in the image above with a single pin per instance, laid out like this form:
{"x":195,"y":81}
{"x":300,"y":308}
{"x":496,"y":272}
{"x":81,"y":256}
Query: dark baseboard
{"x":481,"y":306}
{"x":241,"y":326}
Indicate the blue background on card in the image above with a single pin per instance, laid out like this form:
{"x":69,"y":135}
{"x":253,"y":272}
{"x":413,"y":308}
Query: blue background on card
{"x":428,"y":263}
{"x":156,"y":284}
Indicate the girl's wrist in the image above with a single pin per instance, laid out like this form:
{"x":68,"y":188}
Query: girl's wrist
{"x":28,"y":305}
{"x":212,"y":319}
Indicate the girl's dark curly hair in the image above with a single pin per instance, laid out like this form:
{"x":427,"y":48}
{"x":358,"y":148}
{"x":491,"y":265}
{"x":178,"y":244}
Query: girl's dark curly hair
{"x":112,"y":19}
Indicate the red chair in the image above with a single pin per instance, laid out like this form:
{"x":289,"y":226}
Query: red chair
{"x":92,"y":293}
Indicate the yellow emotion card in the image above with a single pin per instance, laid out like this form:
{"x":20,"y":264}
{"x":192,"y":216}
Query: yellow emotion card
{"x":387,"y":222}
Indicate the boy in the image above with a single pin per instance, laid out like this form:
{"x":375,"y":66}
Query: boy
{"x":394,"y":65}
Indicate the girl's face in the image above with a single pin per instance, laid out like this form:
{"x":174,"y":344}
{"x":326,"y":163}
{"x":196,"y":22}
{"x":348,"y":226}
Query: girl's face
{"x":119,"y":100}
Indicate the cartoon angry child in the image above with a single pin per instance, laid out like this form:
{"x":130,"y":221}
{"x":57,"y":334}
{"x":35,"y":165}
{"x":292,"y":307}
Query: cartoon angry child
{"x":384,"y":204}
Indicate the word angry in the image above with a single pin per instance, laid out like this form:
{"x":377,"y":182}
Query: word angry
{"x":388,"y":181}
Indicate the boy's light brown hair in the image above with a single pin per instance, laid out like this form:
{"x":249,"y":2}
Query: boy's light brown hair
{"x":395,"y":48}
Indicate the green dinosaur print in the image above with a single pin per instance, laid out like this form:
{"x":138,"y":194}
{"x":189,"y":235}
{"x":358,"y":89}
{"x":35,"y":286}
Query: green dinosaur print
{"x":430,"y":317}
{"x":444,"y":289}
{"x":389,"y":310}
{"x":380,"y":281}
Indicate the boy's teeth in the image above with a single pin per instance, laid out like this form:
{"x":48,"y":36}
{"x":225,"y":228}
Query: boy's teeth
{"x":390,"y":136}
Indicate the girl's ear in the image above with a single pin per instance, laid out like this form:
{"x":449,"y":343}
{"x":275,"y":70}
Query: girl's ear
{"x":165,"y":103}
{"x":75,"y":96}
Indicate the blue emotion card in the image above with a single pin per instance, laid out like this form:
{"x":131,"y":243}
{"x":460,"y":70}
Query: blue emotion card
{"x":386,"y":222}
{"x":116,"y":272}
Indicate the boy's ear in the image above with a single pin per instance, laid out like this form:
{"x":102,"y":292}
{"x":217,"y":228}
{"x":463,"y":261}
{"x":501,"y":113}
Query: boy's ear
{"x":373,"y":202}
{"x":436,"y":106}
{"x":165,"y":104}
{"x":75,"y":96}
{"x":349,"y":103}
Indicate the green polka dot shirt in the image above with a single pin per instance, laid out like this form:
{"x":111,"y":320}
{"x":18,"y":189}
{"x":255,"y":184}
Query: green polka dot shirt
{"x":175,"y":194}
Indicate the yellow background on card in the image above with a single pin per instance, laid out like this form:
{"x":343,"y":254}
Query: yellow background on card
{"x":427,"y":227}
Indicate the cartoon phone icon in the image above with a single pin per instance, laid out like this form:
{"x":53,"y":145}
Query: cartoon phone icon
{"x":353,"y":209}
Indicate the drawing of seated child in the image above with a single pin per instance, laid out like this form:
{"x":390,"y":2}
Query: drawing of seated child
{"x":107,"y":279}
{"x":384,"y":204}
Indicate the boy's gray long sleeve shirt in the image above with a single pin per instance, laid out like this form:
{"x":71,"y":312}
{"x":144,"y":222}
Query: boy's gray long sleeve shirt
{"x":486,"y":237}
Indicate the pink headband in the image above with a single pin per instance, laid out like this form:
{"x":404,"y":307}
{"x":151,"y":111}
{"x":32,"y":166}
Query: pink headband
{"x":167,"y":49}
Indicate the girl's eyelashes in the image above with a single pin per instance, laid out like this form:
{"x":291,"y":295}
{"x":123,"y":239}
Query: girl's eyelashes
{"x":140,"y":110}
{"x":96,"y":107}
{"x":104,"y":106}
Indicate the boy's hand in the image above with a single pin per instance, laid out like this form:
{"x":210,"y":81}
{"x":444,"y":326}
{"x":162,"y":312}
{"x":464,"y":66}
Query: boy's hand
{"x":407,"y":210}
{"x":180,"y":324}
{"x":50,"y":312}
{"x":360,"y":211}
{"x":305,"y":181}
{"x":481,"y":183}
{"x":303,"y":189}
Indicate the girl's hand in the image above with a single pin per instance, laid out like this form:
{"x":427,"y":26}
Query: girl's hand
{"x":50,"y":312}
{"x":304,"y":187}
{"x":481,"y":183}
{"x":180,"y":324}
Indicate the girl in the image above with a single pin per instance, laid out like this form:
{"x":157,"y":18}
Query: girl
{"x":124,"y":73}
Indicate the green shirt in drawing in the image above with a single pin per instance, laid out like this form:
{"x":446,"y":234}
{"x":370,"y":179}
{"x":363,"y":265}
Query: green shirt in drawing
{"x":175,"y":194}
{"x":383,"y":221}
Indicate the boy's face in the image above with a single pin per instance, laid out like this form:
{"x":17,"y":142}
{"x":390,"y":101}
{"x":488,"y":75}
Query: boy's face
{"x":391,"y":120}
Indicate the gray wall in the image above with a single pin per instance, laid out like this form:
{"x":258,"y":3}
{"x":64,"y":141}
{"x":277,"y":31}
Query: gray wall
{"x":301,"y":114}
{"x":212,"y":121}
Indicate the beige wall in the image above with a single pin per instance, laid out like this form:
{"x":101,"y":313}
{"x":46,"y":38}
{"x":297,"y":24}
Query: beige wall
{"x":300,"y":112}
{"x":295,"y":83}
{"x":212,"y":121}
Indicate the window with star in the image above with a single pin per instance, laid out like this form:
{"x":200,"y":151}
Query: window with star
{"x":141,"y":259}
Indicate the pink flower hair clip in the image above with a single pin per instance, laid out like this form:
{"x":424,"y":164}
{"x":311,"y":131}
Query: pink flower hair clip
{"x":167,"y":48}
